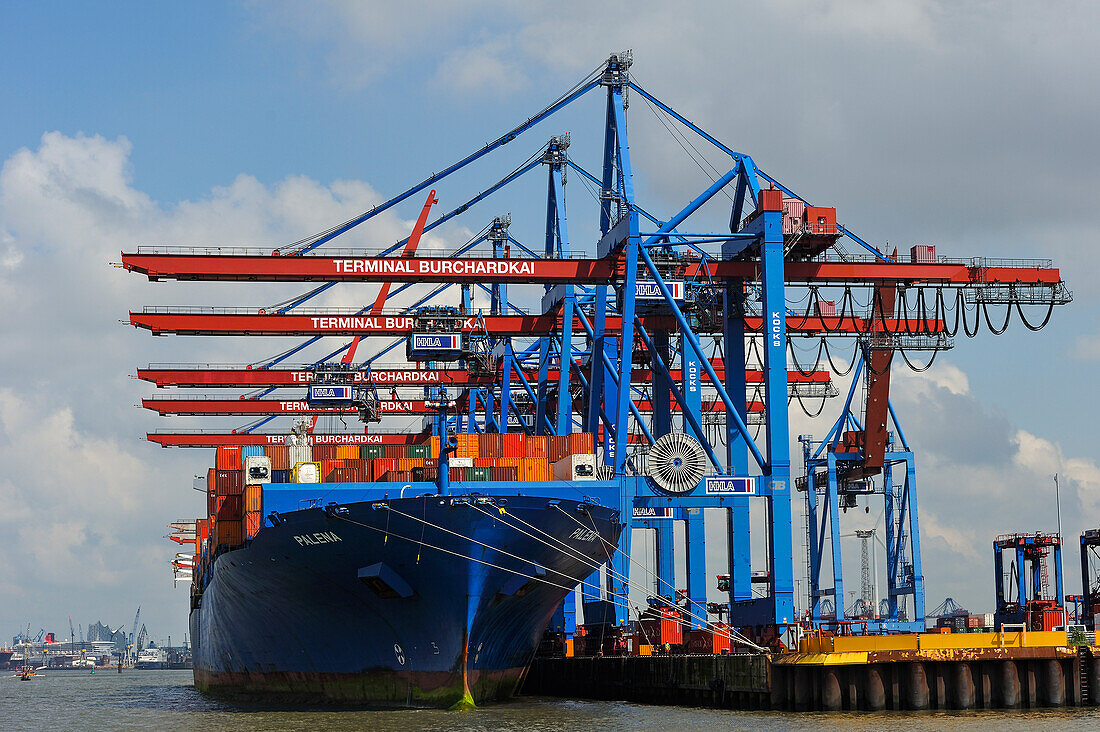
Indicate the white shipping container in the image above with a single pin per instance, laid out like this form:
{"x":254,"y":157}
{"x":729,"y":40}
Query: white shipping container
{"x":575,"y":467}
{"x":461,"y":462}
{"x":299,"y":454}
{"x":257,"y":469}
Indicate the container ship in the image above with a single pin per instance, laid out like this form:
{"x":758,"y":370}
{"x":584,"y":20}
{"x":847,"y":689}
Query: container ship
{"x":354,"y":574}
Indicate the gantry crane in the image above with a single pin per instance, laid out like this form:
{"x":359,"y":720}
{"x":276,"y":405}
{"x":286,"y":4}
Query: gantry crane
{"x":660,"y":326}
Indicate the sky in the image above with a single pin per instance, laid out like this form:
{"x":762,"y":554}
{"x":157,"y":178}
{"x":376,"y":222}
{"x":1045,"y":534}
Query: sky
{"x":967,"y":125}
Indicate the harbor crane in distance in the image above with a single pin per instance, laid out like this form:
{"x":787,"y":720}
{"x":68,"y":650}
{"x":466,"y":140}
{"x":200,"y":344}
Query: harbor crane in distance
{"x":131,"y":648}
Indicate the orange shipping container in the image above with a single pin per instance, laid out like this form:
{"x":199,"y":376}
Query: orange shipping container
{"x":407,"y":464}
{"x":485,"y":462}
{"x":511,"y":462}
{"x":514,"y":446}
{"x":253,"y":522}
{"x":467,"y":445}
{"x":253,"y":498}
{"x":536,"y":469}
{"x":347,"y":452}
{"x":538,"y":447}
{"x":279,"y":455}
{"x":228,"y":458}
{"x":433,"y":448}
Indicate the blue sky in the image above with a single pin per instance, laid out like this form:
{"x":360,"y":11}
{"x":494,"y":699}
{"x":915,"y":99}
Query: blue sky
{"x":137,"y":123}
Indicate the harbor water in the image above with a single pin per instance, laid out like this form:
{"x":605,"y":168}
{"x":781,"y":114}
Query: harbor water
{"x":141,"y":700}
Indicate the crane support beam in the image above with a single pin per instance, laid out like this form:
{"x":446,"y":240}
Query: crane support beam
{"x":214,"y":375}
{"x":203,"y":438}
{"x":277,"y":407}
{"x":358,"y":266}
{"x":244,"y":321}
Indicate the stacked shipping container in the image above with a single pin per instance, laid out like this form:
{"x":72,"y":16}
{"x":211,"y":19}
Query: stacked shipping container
{"x":235,"y":509}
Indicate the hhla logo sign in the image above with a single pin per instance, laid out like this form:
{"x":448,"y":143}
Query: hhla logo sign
{"x":650,"y":291}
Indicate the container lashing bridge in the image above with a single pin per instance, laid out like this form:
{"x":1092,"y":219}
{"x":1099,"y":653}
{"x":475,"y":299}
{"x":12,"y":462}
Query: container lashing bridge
{"x":619,"y":344}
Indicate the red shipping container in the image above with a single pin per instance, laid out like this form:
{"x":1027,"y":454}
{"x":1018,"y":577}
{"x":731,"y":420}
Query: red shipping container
{"x":581,"y":443}
{"x":229,"y":532}
{"x":720,"y":639}
{"x":396,"y":451}
{"x":358,"y":468}
{"x":253,"y":522}
{"x":492,"y":446}
{"x":431,"y":462}
{"x":324,"y":452}
{"x":211,"y":503}
{"x":821,"y":220}
{"x":771,"y":199}
{"x":484,"y":462}
{"x":559,"y":445}
{"x":229,"y":482}
{"x":327,"y":466}
{"x":229,"y":508}
{"x":514,"y":444}
{"x":672,"y":629}
{"x":426,"y":475}
{"x":342,"y":475}
{"x":825,"y":308}
{"x":382,"y":466}
{"x":227,"y":458}
{"x":538,"y":447}
{"x":504,"y":473}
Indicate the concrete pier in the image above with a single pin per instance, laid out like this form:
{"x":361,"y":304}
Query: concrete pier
{"x":853,"y":673}
{"x":726,"y":681}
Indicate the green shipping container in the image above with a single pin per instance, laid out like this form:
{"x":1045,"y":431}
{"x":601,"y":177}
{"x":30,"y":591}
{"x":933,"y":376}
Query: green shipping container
{"x":371,"y":452}
{"x":419,"y":451}
{"x":480,"y":473}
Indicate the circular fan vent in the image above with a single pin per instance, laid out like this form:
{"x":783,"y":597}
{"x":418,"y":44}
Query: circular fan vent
{"x":676,"y":462}
{"x":605,"y":472}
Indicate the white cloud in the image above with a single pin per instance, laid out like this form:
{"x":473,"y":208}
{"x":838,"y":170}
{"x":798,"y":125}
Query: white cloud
{"x":85,"y":498}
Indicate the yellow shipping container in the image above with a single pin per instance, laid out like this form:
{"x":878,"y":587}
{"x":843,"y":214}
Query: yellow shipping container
{"x":347,"y":452}
{"x":536,"y":469}
{"x":306,"y":473}
{"x":409,"y":463}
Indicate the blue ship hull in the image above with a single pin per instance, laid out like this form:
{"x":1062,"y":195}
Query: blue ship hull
{"x":410,"y":602}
